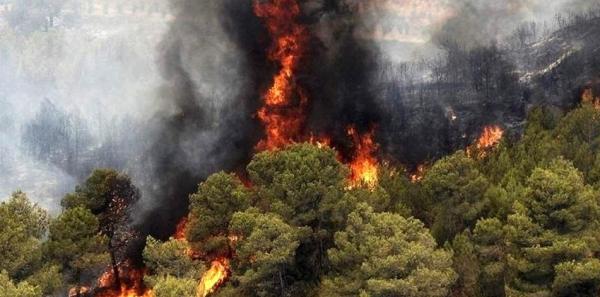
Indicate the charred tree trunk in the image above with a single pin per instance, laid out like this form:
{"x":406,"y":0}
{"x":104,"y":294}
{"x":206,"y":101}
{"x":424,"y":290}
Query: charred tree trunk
{"x":113,"y":262}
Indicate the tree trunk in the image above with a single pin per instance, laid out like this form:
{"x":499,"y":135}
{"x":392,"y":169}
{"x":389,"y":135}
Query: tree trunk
{"x":113,"y":262}
{"x":281,"y":282}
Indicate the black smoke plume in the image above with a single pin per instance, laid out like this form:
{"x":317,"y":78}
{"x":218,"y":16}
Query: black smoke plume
{"x":212,"y":64}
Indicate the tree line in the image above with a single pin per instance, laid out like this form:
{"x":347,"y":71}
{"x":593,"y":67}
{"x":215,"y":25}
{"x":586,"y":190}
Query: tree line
{"x":521,"y":221}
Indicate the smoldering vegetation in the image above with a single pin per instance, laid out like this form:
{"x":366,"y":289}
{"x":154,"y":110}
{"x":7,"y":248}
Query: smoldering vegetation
{"x":170,"y":96}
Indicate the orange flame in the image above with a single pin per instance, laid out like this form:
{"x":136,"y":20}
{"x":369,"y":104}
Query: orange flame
{"x":132,"y":283}
{"x":489,"y":139}
{"x":285,"y":102}
{"x":127,"y":292}
{"x":214,"y":277}
{"x":180,"y":229}
{"x":364,"y":166}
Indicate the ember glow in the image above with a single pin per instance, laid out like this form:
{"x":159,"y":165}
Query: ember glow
{"x":418,"y":175}
{"x":214,"y":277}
{"x":364,"y":165}
{"x":284,"y":103}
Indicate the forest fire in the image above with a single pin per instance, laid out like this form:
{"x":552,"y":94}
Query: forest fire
{"x":180,"y":229}
{"x":283,"y":113}
{"x":131,"y":283}
{"x":219,"y":271}
{"x":214,"y":277}
{"x":490,"y":138}
{"x":418,"y":175}
{"x":364,"y":165}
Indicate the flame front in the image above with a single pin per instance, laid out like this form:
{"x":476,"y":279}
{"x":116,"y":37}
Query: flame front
{"x":364,"y":165}
{"x":213,"y":278}
{"x":284,"y":104}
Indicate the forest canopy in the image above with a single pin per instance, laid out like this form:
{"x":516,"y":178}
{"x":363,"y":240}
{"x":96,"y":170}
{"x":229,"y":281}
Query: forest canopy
{"x":519,"y":220}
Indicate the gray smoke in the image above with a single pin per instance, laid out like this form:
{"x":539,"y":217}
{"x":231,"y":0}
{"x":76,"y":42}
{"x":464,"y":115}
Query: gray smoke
{"x":482,"y":22}
{"x":84,"y":81}
{"x":208,"y":102}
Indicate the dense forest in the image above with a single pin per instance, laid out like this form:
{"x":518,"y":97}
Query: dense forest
{"x":263,"y":148}
{"x":518,"y":219}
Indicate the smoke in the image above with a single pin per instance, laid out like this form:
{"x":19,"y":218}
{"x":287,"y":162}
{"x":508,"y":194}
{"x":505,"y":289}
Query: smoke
{"x":214,"y":63}
{"x":211,"y":64}
{"x":170,"y":96}
{"x":482,"y":22}
{"x":95,"y":70}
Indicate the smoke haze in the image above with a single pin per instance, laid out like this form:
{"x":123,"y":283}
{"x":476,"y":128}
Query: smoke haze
{"x":168,"y":93}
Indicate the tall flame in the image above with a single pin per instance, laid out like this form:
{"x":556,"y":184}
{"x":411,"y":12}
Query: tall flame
{"x":214,"y":277}
{"x":364,"y":165}
{"x":285,"y":102}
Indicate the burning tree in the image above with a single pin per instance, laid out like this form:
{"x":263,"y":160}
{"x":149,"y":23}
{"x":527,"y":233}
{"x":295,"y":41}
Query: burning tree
{"x":109,"y":195}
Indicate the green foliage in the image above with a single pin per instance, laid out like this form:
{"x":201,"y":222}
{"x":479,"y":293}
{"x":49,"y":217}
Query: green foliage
{"x":553,"y":224}
{"x":170,"y":286}
{"x":171,"y":258}
{"x":384,"y":254}
{"x":265,"y":253}
{"x":22,"y":227}
{"x":9,"y":289}
{"x":466,"y":265}
{"x":302,"y":183}
{"x":305,"y":186}
{"x":99,"y":190}
{"x":577,"y":278}
{"x":457,"y":188}
{"x":402,"y":199}
{"x":578,"y":135}
{"x":488,"y":237}
{"x":74,"y":243}
{"x":49,"y":279}
{"x":521,"y":221}
{"x":109,"y":196}
{"x":211,"y":209}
